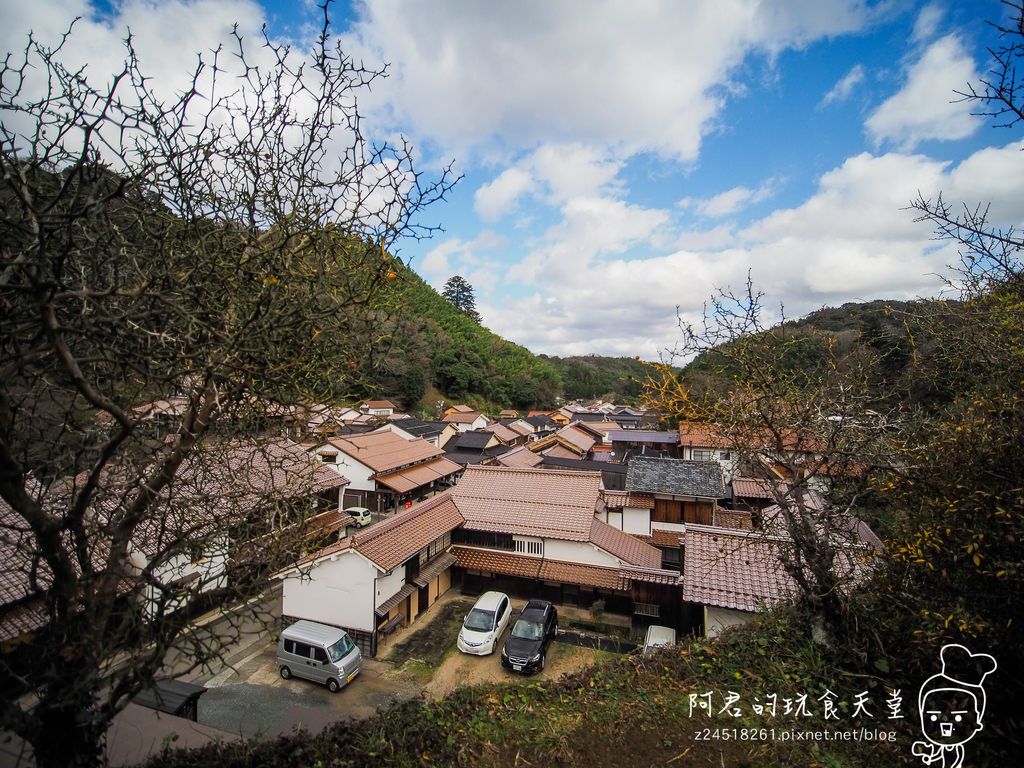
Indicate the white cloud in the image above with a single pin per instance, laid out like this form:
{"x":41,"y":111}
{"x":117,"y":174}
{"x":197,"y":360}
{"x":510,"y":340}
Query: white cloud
{"x":552,"y":173}
{"x":499,"y":78}
{"x":842,"y":90}
{"x":496,"y":198}
{"x":730,"y":201}
{"x":853,"y":239}
{"x":926,"y":107}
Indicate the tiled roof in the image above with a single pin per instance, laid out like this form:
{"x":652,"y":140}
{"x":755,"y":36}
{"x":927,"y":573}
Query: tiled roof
{"x":751,"y":488}
{"x":520,"y":457}
{"x":393,"y":541}
{"x":497,"y":562}
{"x":419,"y":475}
{"x":560,"y":451}
{"x":643,"y":436}
{"x":675,"y":477}
{"x":697,"y":435}
{"x":474,"y":440}
{"x":623,"y":546}
{"x":733,"y":518}
{"x":434,"y":568}
{"x":503,"y":433}
{"x":395,"y":600}
{"x":576,"y":437}
{"x":383,"y":450}
{"x":461,"y":417}
{"x":730,"y":569}
{"x":661,"y":537}
{"x":741,"y":569}
{"x":529,"y":502}
{"x":616,"y":499}
{"x":539,"y":568}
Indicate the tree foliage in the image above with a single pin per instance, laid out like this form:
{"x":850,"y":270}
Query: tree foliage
{"x":459,"y":294}
{"x":808,"y":426}
{"x":222,"y":250}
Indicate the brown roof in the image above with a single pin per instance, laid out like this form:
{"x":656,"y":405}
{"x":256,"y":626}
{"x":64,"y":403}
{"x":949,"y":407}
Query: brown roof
{"x":752,"y":488}
{"x":383,"y":450}
{"x":543,"y":569}
{"x":694,"y":434}
{"x":741,"y":569}
{"x":663,"y":538}
{"x":623,"y":546}
{"x":616,"y":499}
{"x":730,"y":569}
{"x":503,"y":433}
{"x":530,"y":502}
{"x":410,"y":478}
{"x":520,"y":457}
{"x":559,"y":451}
{"x":461,"y":417}
{"x":391,"y":542}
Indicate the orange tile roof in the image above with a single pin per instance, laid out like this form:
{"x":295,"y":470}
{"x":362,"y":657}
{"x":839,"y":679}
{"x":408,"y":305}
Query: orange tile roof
{"x":383,"y":450}
{"x":531,"y":502}
{"x":753,"y":488}
{"x":524,"y":566}
{"x":692,"y":433}
{"x":419,"y":475}
{"x":391,"y":542}
{"x":625,"y":547}
{"x":617,"y":499}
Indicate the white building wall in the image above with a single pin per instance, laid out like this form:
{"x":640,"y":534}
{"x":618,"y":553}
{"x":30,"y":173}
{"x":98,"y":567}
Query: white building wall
{"x":578,"y":552}
{"x":717,"y":620}
{"x":636,"y":521}
{"x":357,"y":473}
{"x":338,"y":592}
{"x":387,"y":586}
{"x":211,"y":568}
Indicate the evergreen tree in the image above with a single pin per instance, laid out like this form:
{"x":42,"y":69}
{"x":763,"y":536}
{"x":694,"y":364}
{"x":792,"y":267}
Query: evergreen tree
{"x":459,"y":292}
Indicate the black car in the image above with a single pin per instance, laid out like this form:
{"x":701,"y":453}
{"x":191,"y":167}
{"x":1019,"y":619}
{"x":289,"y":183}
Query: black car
{"x":526,"y":648}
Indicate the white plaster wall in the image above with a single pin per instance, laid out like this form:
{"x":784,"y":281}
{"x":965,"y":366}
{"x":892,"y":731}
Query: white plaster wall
{"x":578,"y":552}
{"x":636,"y":521}
{"x":387,"y":586}
{"x":716,"y":620}
{"x":338,"y":592}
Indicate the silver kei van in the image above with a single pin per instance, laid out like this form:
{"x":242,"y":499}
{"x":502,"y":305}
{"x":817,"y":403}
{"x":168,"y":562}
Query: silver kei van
{"x":318,"y":652}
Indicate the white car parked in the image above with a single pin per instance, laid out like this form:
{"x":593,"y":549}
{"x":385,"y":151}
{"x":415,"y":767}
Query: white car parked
{"x":484,"y":625}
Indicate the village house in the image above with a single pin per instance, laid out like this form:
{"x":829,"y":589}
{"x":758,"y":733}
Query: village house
{"x":465,"y":418}
{"x":380,"y":579}
{"x":385,"y":470}
{"x":537,"y":531}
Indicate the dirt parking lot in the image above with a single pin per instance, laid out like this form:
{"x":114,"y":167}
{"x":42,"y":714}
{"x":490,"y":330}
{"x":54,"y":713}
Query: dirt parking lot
{"x":252,"y":700}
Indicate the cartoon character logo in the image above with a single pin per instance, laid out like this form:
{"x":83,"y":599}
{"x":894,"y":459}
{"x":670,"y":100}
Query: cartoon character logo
{"x":952,"y":704}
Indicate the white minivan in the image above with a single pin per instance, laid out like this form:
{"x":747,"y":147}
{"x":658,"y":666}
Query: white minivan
{"x":484,"y":625}
{"x":318,"y":652}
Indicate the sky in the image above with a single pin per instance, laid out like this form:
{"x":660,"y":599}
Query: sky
{"x":621,"y":162}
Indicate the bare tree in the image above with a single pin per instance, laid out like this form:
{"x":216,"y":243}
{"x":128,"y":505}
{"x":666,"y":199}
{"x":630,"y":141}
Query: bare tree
{"x":797,"y":412}
{"x":216,"y":253}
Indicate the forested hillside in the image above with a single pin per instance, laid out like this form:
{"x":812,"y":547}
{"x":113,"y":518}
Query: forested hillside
{"x":427,"y":349}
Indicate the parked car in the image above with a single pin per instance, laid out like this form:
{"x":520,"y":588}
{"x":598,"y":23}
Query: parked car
{"x":318,"y":652}
{"x":484,"y":625}
{"x":659,"y":637}
{"x":526,"y":649}
{"x":360,"y":514}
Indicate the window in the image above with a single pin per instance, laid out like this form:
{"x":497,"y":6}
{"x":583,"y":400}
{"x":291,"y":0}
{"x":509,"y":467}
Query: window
{"x":703,"y":454}
{"x":319,"y":654}
{"x":329,"y":458}
{"x":484,"y":539}
{"x":530,"y":547}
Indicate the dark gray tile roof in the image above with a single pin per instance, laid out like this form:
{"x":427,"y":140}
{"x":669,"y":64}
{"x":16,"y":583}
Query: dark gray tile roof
{"x":675,"y":477}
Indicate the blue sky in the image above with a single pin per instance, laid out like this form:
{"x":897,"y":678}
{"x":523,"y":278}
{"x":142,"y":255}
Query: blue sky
{"x":623,"y":159}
